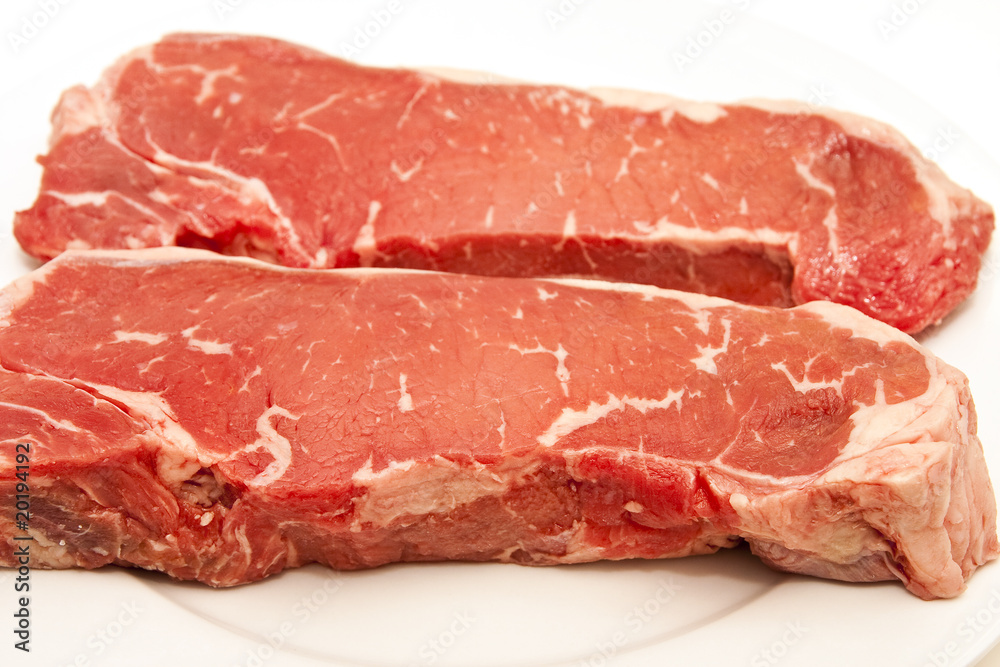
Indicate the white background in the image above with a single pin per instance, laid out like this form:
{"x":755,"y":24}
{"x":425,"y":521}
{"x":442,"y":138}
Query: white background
{"x":930,"y":68}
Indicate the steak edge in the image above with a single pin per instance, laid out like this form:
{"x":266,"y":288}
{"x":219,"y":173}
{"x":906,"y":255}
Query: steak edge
{"x":252,"y":146}
{"x":222,"y":419}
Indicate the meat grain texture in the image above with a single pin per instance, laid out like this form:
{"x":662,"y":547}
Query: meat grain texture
{"x":252,"y":146}
{"x":223,"y":419}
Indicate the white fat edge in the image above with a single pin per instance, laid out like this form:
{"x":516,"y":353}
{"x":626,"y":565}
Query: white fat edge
{"x":701,"y":112}
{"x":459,"y":75}
{"x":147,"y":257}
{"x":881,"y":424}
{"x":937,"y":418}
{"x":142,"y":257}
{"x":861,"y":326}
{"x":930,"y":417}
{"x":417,"y":488}
{"x":20,"y":290}
{"x":180,"y":455}
{"x":941,"y":190}
{"x":692,"y":300}
{"x":165,"y":255}
{"x":222,"y":37}
{"x":277,"y":445}
{"x":703,"y":241}
{"x":570,"y":420}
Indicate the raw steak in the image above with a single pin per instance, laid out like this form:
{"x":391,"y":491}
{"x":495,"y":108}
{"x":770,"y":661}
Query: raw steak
{"x":252,"y":146}
{"x":223,"y":419}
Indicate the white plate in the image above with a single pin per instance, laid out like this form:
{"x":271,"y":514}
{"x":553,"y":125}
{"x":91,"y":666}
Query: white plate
{"x":725,"y":609}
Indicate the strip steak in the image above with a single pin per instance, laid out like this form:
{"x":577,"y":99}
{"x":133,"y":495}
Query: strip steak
{"x":223,"y":419}
{"x":252,"y":146}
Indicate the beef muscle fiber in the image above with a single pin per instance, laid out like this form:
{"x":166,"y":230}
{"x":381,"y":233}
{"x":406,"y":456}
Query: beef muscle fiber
{"x":252,"y":146}
{"x":222,"y":419}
